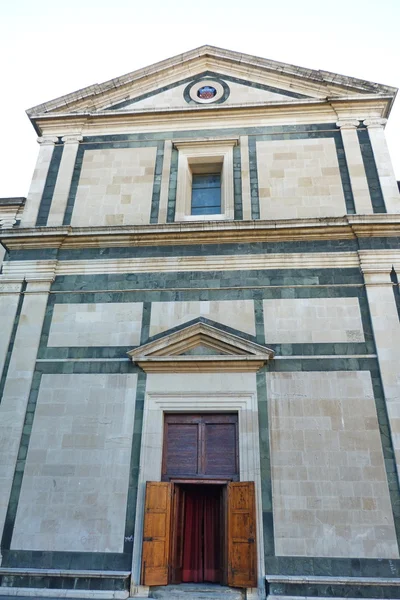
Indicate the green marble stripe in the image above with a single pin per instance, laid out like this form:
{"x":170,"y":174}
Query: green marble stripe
{"x":40,"y":559}
{"x":331,"y":246}
{"x":105,"y":284}
{"x":396,"y":290}
{"x":179,"y":294}
{"x":190,"y":133}
{"x":265,"y":465}
{"x":173,"y":180}
{"x":155,"y":199}
{"x":74,"y":185}
{"x":20,"y":464}
{"x":253,"y":171}
{"x":47,"y":196}
{"x":371,"y":172}
{"x":332,"y":567}
{"x":136,"y":438}
{"x":135,"y":463}
{"x":12,"y":340}
{"x":333,"y":590}
{"x":237,"y":183}
{"x":110,"y":584}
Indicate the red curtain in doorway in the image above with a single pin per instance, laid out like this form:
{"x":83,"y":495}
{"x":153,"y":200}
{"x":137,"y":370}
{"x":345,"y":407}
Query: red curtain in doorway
{"x":201,"y":549}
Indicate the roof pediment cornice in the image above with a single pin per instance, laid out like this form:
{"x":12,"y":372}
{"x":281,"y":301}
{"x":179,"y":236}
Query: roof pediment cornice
{"x":323,"y":83}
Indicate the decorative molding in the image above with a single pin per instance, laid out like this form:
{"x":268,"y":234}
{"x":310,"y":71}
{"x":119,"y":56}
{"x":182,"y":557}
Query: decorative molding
{"x":204,"y":232}
{"x":162,"y":264}
{"x":379,"y":261}
{"x":10,"y":210}
{"x":167,"y":353}
{"x":210,"y":142}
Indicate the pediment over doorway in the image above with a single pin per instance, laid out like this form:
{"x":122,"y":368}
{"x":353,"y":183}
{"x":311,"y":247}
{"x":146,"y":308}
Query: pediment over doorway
{"x":200,"y":347}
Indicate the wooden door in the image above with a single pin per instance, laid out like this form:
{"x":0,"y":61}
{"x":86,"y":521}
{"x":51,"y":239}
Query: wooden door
{"x":177,"y":533}
{"x":156,"y":533}
{"x":242,"y":550}
{"x":200,"y":447}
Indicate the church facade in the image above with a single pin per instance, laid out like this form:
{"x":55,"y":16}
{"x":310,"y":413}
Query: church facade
{"x":200,"y":325}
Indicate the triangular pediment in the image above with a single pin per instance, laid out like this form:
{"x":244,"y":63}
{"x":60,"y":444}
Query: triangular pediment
{"x":200,"y":347}
{"x":245,"y":79}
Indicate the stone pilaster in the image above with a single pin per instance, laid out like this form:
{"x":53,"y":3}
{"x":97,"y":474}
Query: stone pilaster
{"x":384,"y":165}
{"x":245,"y":167}
{"x":9,"y":296}
{"x":64,"y":178}
{"x":162,"y":215}
{"x":18,"y":382}
{"x":386,"y":329}
{"x":358,"y":179}
{"x":38,"y":181}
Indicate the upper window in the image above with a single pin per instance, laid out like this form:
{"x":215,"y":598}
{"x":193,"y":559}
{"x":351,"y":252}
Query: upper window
{"x":206,"y":194}
{"x":205,"y":179}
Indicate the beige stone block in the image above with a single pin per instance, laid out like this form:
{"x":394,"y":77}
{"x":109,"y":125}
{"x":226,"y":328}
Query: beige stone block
{"x":342,"y":487}
{"x":81,"y":487}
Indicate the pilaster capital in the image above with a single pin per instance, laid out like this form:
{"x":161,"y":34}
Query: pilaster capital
{"x":10,"y":285}
{"x":377,"y":277}
{"x":47,"y":140}
{"x":375,"y":123}
{"x":72,"y":138}
{"x":38,"y":285}
{"x":348,"y":124}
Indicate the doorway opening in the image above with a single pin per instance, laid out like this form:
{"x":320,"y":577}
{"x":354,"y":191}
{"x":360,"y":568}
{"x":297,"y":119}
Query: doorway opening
{"x":198,"y":536}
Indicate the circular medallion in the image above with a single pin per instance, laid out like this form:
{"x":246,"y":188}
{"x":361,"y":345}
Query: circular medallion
{"x":206,"y":91}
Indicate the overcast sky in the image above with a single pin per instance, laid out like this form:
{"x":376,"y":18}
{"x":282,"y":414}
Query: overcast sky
{"x":50,"y":48}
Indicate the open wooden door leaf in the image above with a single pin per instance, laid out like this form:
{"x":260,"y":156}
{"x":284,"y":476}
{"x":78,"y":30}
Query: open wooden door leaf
{"x":242,"y":549}
{"x":156,"y":533}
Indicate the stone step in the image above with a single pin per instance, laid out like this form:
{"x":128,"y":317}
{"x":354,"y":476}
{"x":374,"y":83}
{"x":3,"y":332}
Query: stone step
{"x":196,"y":591}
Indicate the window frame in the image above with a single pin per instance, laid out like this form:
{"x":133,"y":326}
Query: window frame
{"x":195,"y":154}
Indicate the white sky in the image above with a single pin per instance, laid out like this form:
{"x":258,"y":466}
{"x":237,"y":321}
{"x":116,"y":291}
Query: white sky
{"x":49,"y":48}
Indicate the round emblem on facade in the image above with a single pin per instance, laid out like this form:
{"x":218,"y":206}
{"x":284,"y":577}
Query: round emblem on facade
{"x":206,"y":91}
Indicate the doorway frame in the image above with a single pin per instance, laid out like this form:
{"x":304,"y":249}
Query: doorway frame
{"x":155,"y":405}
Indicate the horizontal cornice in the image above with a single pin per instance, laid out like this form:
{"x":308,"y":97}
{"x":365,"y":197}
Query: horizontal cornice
{"x":205,"y":232}
{"x":368,"y":261}
{"x":310,"y":110}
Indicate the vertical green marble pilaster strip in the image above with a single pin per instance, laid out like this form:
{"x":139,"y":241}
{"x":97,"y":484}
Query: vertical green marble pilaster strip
{"x":136,"y":439}
{"x":265,"y":464}
{"x":237,"y":183}
{"x":74,"y":185}
{"x":263,"y":425}
{"x":173,"y":179}
{"x":396,"y":290}
{"x":134,"y":464}
{"x":371,"y":172}
{"x":155,"y":200}
{"x":20,"y":464}
{"x":344,"y":174}
{"x":12,"y":340}
{"x":49,"y":186}
{"x":255,"y":201}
